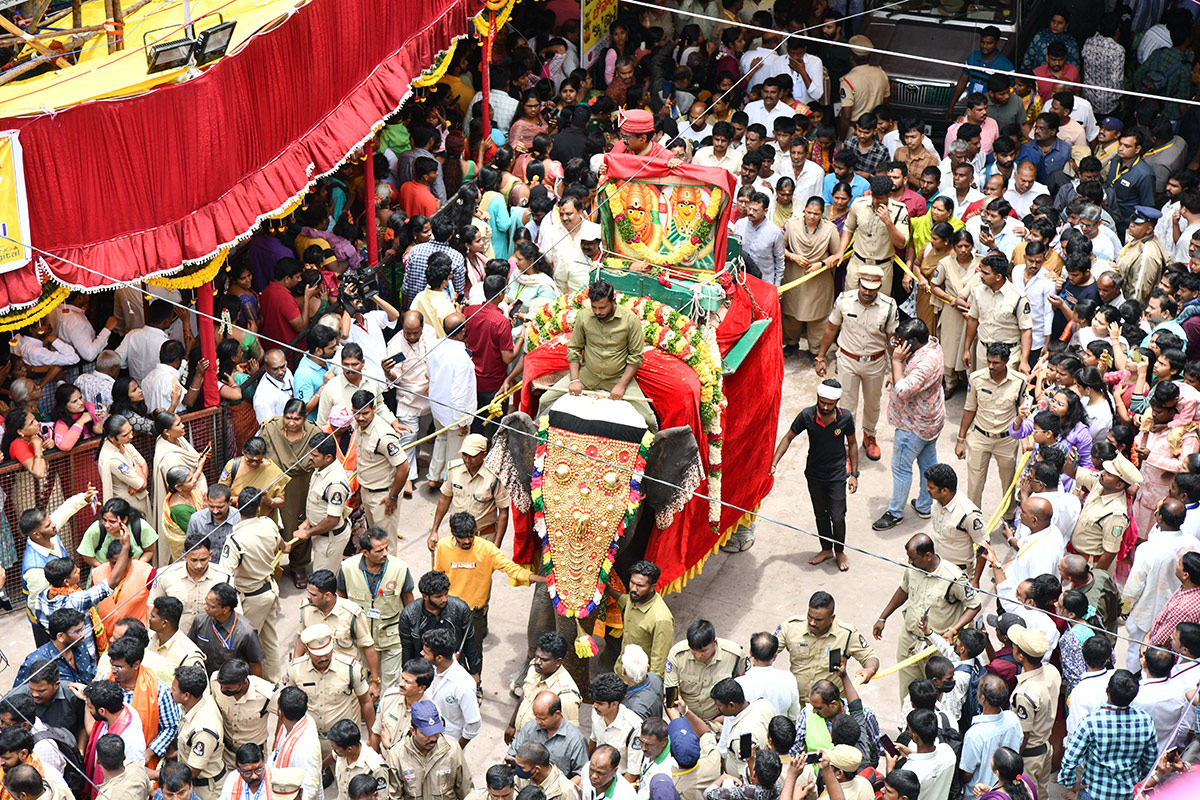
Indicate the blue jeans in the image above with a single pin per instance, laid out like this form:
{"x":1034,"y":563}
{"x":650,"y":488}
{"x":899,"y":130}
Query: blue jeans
{"x":906,"y":448}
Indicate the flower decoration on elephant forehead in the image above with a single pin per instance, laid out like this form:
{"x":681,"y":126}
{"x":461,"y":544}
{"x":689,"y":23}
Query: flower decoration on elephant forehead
{"x":673,"y":333}
{"x":586,"y":490}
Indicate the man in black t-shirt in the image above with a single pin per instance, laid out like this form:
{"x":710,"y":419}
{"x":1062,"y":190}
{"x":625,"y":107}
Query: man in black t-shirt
{"x":832,"y":464}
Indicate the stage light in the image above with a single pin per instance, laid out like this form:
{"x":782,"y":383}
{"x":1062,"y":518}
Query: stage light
{"x":213,"y":42}
{"x":169,"y":55}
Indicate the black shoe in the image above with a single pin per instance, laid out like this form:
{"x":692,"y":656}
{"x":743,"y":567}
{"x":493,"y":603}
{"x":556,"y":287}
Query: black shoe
{"x":920,"y":513}
{"x":886,"y":522}
{"x":791,"y":349}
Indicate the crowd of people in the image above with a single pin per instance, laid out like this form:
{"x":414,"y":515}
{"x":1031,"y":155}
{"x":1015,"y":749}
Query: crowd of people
{"x":1043,"y":260}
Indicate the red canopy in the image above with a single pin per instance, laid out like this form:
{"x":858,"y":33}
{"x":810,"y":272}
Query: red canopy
{"x":138,"y":186}
{"x":754,"y":392}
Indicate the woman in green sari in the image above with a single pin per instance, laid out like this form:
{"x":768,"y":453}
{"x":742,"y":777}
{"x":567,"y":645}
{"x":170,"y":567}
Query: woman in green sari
{"x":181,"y":502}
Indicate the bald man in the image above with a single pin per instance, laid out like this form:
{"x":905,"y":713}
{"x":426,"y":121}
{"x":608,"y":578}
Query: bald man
{"x":451,"y":394}
{"x":1097,"y":586}
{"x":1038,"y":546}
{"x":275,"y":387}
{"x":406,"y":370}
{"x":567,"y":745}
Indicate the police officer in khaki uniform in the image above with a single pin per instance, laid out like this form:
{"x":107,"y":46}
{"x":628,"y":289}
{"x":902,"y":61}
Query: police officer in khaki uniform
{"x":336,"y":686}
{"x":383,"y":586}
{"x":324,"y":520}
{"x":935,"y":588}
{"x":190,"y":579}
{"x":382,"y":465}
{"x":994,"y":397}
{"x":1143,"y":258}
{"x":546,"y":673}
{"x":999,"y":313}
{"x":472,"y":487}
{"x":1105,"y":515}
{"x":352,"y":758}
{"x":878,"y":226}
{"x":865,"y":87}
{"x":249,"y":555}
{"x":863,"y":322}
{"x":696,"y":760}
{"x":1035,"y":702}
{"x":428,"y":765}
{"x":958,"y":527}
{"x":349,"y":623}
{"x":810,"y":639}
{"x":200,"y":740}
{"x":698,"y":663}
{"x":244,"y":700}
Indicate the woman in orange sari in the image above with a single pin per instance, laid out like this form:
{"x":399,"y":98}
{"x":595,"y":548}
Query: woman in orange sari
{"x":130,"y":596}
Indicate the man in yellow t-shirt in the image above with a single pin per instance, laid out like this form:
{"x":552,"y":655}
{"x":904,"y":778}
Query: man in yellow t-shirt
{"x":469,"y":562}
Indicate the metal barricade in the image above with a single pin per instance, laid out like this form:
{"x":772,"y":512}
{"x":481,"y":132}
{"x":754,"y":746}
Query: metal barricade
{"x":68,"y":473}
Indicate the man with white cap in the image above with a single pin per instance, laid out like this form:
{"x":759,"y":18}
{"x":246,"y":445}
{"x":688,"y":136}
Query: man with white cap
{"x":862,"y":321}
{"x":429,"y":766}
{"x":1105,"y":514}
{"x":832,"y":467}
{"x":336,"y":686}
{"x":475,"y":489}
{"x":1035,"y":702}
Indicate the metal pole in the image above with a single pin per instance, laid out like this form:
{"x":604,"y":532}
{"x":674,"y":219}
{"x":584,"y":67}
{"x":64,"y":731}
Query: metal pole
{"x":208,"y":344}
{"x":187,"y":19}
{"x":372,"y":218}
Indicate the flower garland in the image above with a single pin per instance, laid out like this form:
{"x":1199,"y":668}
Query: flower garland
{"x":53,"y":293}
{"x":539,"y":521}
{"x":677,"y":254}
{"x":191,"y":280}
{"x":439,"y":69}
{"x":673,"y":333}
{"x":502,"y":9}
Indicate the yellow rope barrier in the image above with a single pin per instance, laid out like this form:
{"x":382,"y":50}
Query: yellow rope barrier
{"x":995,"y":519}
{"x":899,"y":665}
{"x":494,"y":405}
{"x":916,"y":281}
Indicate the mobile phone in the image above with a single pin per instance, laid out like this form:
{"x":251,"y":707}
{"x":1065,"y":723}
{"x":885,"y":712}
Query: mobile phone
{"x":835,"y":659}
{"x":812,"y":758}
{"x":1171,"y":754}
{"x":886,"y":743}
{"x":668,"y":90}
{"x":672,"y":696}
{"x":744,"y":744}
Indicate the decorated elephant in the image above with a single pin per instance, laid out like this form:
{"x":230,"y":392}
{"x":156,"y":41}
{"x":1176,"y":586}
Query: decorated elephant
{"x":585,"y":471}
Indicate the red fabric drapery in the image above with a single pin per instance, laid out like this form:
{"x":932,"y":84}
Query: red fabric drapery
{"x":139,"y":185}
{"x":754,"y":391}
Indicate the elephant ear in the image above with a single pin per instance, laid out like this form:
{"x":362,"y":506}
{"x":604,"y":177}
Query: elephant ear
{"x":511,"y":457}
{"x":673,"y":471}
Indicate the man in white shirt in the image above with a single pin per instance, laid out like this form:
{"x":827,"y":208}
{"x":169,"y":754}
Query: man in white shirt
{"x":562,"y":246}
{"x":807,"y":175}
{"x":1037,"y":285}
{"x":1039,"y":547}
{"x":1034,"y":618}
{"x":408,"y":371}
{"x":70,"y":322}
{"x":1163,"y":699}
{"x":805,"y":69}
{"x":697,"y":128}
{"x":275,"y":387}
{"x":957,"y":186}
{"x":1091,"y":691}
{"x":1045,"y":483}
{"x":1152,"y":580}
{"x":720,"y":153}
{"x":451,"y":393}
{"x":139,"y":349}
{"x":44,"y":351}
{"x":1024,"y":189}
{"x":763,"y":680}
{"x":604,"y":776}
{"x":366,"y":330}
{"x":162,"y":388}
{"x":933,"y":764}
{"x":453,"y":688}
{"x":768,"y":109}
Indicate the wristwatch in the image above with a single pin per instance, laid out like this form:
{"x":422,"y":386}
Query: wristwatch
{"x":854,"y":474}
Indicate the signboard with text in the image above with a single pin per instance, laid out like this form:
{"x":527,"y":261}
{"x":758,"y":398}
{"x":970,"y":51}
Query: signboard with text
{"x":595,"y":17}
{"x":14,"y":208}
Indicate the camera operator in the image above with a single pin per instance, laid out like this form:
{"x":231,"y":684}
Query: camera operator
{"x":365,"y":316}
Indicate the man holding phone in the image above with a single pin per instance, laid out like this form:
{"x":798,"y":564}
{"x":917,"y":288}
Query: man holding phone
{"x":745,"y":724}
{"x":811,"y":639}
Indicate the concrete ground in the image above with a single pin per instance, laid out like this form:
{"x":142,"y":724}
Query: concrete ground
{"x":733,"y":590}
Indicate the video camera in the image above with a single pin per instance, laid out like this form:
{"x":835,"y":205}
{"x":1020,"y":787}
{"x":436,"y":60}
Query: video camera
{"x":357,"y":287}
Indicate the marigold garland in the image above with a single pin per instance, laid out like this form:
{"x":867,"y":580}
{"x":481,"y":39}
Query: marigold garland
{"x":678,"y":254}
{"x":53,"y":293}
{"x":673,"y":333}
{"x":439,"y":69}
{"x":191,"y":280}
{"x":502,"y":9}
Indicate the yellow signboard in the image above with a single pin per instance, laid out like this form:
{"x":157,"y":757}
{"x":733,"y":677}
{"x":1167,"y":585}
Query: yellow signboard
{"x":595,"y":17}
{"x":14,"y":209}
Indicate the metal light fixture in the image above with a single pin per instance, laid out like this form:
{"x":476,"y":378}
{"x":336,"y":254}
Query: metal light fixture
{"x":212,"y":43}
{"x":193,"y":49}
{"x":169,"y":55}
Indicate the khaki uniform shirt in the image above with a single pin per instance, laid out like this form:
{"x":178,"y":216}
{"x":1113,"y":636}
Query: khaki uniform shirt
{"x":351,"y":628}
{"x":808,"y":655}
{"x":865,"y":330}
{"x":369,"y":763}
{"x":556,"y":786}
{"x":200,"y":739}
{"x":328,"y":491}
{"x":393,"y":714}
{"x":651,"y":626}
{"x":174,"y":581}
{"x":946,"y":601}
{"x":754,"y":719}
{"x":957,"y":529}
{"x":561,"y":683}
{"x":1141,"y":264}
{"x":695,"y":680}
{"x":604,"y":348}
{"x":132,"y":784}
{"x":624,"y":734}
{"x":439,"y":775}
{"x":481,"y":495}
{"x":872,"y":242}
{"x":332,"y":694}
{"x":864,"y":88}
{"x":1102,"y":520}
{"x":691,"y":782}
{"x":1002,"y":315}
{"x":245,"y":717}
{"x":178,"y":651}
{"x":995,"y":404}
{"x":249,"y":553}
{"x":379,"y":454}
{"x":1035,"y":702}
